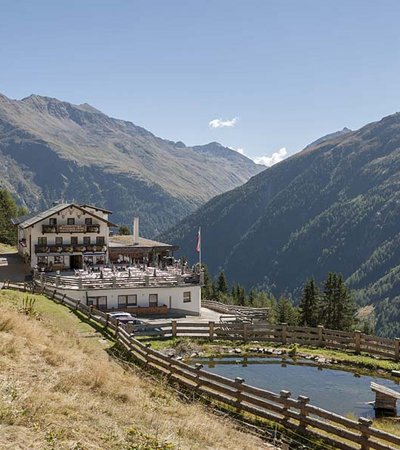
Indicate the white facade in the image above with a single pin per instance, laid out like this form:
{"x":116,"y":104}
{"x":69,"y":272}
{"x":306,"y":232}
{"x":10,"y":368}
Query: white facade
{"x":176,"y":298}
{"x":63,"y":237}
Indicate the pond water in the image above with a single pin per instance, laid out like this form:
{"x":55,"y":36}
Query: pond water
{"x":339,"y":391}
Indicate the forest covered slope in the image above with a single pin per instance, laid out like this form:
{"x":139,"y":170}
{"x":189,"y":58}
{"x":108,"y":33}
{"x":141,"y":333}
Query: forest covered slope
{"x":335,"y":206}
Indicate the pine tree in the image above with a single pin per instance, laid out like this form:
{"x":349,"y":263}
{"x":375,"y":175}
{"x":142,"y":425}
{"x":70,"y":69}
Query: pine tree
{"x":8,"y":210}
{"x":241,"y":295}
{"x":251,"y":297}
{"x":207,"y":289}
{"x":222,"y":285}
{"x":286,"y":312}
{"x":338,"y":308}
{"x":309,"y":304}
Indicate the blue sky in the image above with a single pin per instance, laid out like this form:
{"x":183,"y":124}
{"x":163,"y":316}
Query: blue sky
{"x":285,"y":72}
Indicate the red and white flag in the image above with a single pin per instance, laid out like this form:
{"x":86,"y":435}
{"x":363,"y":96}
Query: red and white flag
{"x":198,"y":246}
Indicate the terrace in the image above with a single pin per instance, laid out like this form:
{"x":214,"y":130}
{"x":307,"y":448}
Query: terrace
{"x":112,"y":278}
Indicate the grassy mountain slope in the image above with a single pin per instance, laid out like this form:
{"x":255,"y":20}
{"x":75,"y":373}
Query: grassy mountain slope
{"x":335,"y":206}
{"x":61,"y":388}
{"x":51,"y":150}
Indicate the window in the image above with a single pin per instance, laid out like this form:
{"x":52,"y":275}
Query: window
{"x":100,"y":240}
{"x":59,"y":240}
{"x":88,"y":221}
{"x":98,"y":302}
{"x":153,"y":300}
{"x":59,"y":259}
{"x":88,"y":260}
{"x":74,"y":240}
{"x":187,"y":297}
{"x":42,"y":261}
{"x":52,"y":221}
{"x":71,"y":221}
{"x":127,"y":301}
{"x":86,"y":240}
{"x":42,"y":240}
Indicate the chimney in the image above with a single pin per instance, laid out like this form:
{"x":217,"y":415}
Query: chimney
{"x":135,"y":230}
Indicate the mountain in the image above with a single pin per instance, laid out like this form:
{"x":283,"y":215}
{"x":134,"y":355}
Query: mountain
{"x":335,"y":206}
{"x":52,"y":150}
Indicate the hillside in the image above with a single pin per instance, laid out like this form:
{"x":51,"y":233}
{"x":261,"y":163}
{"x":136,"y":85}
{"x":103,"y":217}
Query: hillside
{"x":62,"y":387}
{"x":52,"y":150}
{"x":335,"y":206}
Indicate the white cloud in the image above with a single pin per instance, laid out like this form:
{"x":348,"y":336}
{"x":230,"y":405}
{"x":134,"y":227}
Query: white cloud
{"x":219,"y":123}
{"x":239,"y":150}
{"x":273,"y":159}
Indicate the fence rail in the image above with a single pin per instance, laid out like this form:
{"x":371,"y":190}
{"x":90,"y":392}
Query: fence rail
{"x":295,"y":414}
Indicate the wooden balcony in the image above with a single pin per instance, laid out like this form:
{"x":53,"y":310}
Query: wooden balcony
{"x":82,"y":228}
{"x":68,"y":248}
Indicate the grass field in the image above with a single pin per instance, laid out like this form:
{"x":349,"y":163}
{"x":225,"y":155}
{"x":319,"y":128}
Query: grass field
{"x":5,"y":248}
{"x":61,"y":388}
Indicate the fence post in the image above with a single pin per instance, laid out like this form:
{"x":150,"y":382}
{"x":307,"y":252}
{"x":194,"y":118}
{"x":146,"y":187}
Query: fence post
{"x":238,"y":381}
{"x":116,"y":329}
{"x":54,"y":294}
{"x":285,"y":395}
{"x":198,"y":367}
{"x":107,"y":320}
{"x":76,"y":304}
{"x":80,"y":283}
{"x":146,"y":280}
{"x":90,"y":311}
{"x":320,"y":335}
{"x":397,"y":349}
{"x":245,"y":331}
{"x":58,"y":280}
{"x":284,"y":333}
{"x":357,"y":341}
{"x":303,"y":412}
{"x":211,"y":330}
{"x":174,"y":327}
{"x":364,"y":428}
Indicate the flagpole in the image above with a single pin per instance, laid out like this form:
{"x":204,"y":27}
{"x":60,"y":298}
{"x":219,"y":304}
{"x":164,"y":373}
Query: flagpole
{"x":200,"y":249}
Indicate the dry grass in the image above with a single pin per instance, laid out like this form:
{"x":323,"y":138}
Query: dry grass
{"x":60,"y":389}
{"x":5,"y":248}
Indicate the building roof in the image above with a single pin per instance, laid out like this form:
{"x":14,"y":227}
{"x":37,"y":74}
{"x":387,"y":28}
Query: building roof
{"x":96,"y":208}
{"x":37,"y":217}
{"x":127,"y":241}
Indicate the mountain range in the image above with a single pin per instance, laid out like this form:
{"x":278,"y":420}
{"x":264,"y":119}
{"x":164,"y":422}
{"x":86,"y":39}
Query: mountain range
{"x":52,"y":150}
{"x":335,"y":206}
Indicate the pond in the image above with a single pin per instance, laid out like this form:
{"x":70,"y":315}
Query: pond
{"x":339,"y":391}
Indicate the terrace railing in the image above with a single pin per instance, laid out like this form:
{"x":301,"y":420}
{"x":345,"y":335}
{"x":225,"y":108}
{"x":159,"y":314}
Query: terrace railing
{"x":78,"y":228}
{"x":114,"y":282}
{"x":70,"y":248}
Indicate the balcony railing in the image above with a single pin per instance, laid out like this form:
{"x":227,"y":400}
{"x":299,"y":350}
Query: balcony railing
{"x":64,"y":228}
{"x":70,"y":248}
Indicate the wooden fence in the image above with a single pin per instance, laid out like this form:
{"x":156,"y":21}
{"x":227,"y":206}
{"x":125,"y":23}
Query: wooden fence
{"x":294,"y":414}
{"x":240,"y":313}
